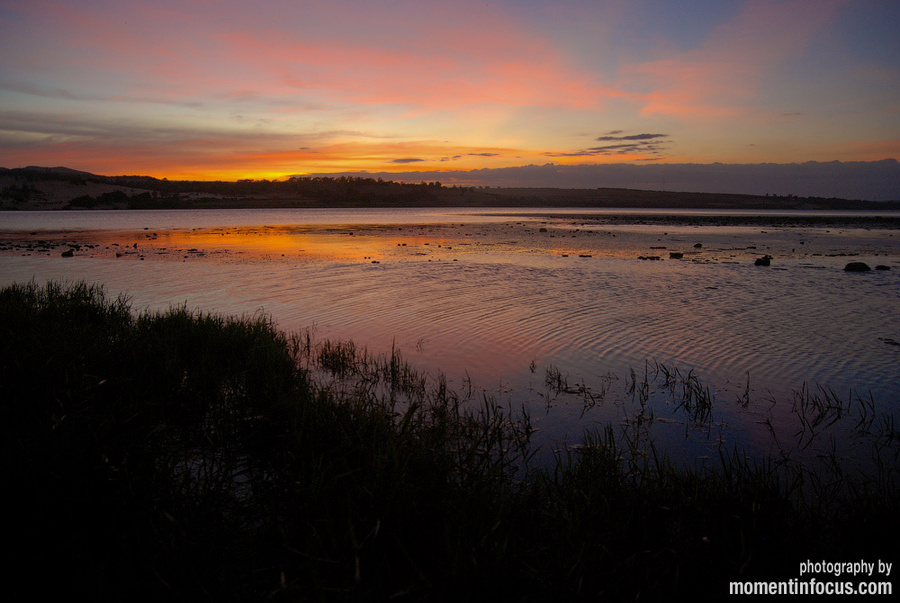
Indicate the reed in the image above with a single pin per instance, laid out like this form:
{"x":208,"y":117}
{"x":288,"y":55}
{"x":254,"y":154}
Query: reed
{"x":188,"y":456}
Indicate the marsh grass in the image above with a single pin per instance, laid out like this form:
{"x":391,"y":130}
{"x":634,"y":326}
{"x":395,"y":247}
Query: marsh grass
{"x":188,"y":456}
{"x":819,"y":410}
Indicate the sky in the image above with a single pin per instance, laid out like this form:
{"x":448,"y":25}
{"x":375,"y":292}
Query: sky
{"x":224,"y":89}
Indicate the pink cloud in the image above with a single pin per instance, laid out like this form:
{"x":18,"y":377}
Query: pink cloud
{"x":525,"y":73}
{"x":411,"y":53}
{"x":722,"y":76}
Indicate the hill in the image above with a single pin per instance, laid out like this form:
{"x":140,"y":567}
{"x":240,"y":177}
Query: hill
{"x":43,"y":188}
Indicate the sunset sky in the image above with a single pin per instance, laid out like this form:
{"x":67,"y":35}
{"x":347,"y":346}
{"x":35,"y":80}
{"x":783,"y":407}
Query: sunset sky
{"x":234,"y":89}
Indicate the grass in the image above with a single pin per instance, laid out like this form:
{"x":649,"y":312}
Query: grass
{"x":188,"y":456}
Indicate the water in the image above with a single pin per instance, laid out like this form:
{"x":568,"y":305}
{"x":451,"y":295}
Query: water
{"x":499,"y":299}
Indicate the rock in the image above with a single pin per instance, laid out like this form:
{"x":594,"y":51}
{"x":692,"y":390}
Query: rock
{"x":765,"y":260}
{"x":857,"y":267}
{"x":882,"y":267}
{"x":698,"y":245}
{"x":67,"y":254}
{"x":675,"y":255}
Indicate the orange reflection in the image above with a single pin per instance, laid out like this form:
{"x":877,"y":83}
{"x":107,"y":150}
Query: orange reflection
{"x":292,"y":242}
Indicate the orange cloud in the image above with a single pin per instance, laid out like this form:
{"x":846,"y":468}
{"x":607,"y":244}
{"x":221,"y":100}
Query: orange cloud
{"x":230,"y":158}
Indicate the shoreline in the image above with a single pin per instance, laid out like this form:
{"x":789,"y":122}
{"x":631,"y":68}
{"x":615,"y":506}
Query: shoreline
{"x":59,"y":188}
{"x":698,"y":237}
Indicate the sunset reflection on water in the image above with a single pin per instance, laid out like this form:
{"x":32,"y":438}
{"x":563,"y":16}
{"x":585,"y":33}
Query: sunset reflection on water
{"x":266,"y":242}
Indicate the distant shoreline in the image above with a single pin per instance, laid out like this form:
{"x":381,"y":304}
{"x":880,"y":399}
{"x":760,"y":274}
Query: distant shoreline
{"x":32,"y":189}
{"x":676,"y":217}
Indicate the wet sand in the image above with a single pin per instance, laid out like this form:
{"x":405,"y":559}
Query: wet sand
{"x":825,"y":241}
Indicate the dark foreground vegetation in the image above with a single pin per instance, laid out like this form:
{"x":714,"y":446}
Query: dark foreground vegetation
{"x":185,"y":456}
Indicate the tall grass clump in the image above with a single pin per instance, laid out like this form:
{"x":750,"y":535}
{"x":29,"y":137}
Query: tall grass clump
{"x":137,"y":442}
{"x":187,"y":456}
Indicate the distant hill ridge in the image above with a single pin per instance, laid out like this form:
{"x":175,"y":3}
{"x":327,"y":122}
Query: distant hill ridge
{"x":36,"y":187}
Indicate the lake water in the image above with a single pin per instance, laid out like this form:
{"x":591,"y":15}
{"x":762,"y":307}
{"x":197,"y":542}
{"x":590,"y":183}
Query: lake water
{"x":551,"y":309}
